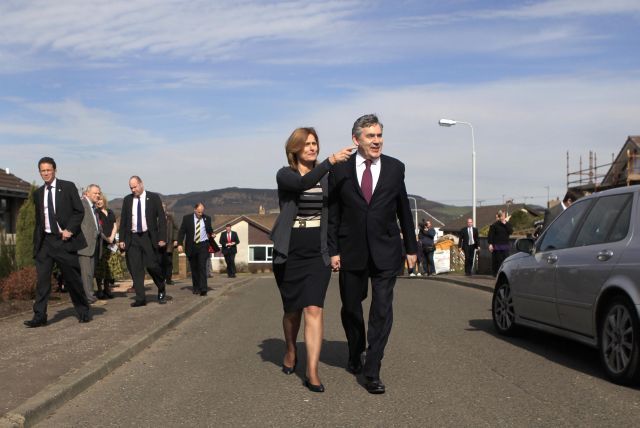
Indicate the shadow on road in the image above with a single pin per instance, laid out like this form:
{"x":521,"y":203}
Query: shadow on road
{"x":71,"y":312}
{"x":559,"y":350}
{"x":334,"y":353}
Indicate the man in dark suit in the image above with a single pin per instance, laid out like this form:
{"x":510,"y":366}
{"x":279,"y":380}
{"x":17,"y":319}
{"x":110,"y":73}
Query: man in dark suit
{"x":469,"y":245}
{"x":57,"y":237}
{"x":142,"y":232}
{"x":229,"y":243}
{"x":367,"y":197}
{"x":166,"y":252}
{"x":195,"y":232}
{"x":551,"y":213}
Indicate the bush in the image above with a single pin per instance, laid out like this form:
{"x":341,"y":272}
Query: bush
{"x":25,"y":225}
{"x":19,"y":285}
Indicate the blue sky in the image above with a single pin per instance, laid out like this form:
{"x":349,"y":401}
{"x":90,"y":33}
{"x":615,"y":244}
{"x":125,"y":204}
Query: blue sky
{"x":202,"y":94}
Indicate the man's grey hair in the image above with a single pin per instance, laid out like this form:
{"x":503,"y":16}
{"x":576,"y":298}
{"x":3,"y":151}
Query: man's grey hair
{"x":89,"y":187}
{"x":364,"y":122}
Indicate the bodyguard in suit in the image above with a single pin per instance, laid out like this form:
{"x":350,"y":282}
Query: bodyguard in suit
{"x":469,"y":245}
{"x":90,"y":226}
{"x":367,"y":197}
{"x":57,"y":237}
{"x":142,"y":232}
{"x":229,"y":243}
{"x":166,"y":252}
{"x":195,"y":231}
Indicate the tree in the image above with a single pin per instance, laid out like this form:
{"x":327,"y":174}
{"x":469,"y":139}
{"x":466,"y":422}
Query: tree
{"x":25,"y":224}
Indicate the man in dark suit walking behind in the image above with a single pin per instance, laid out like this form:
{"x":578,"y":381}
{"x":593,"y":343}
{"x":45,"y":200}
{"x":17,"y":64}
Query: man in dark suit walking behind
{"x":469,"y":245}
{"x":142,"y":232}
{"x":195,"y":231}
{"x":367,"y":196}
{"x":57,"y":237}
{"x":229,"y":242}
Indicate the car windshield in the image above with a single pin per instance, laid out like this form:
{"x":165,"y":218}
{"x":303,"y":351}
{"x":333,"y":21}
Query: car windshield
{"x":559,"y":234}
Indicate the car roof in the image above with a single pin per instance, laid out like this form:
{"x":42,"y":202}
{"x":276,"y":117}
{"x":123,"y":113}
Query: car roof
{"x":614,"y":191}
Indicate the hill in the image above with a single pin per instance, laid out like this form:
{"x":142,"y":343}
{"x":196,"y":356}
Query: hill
{"x":235,"y":200}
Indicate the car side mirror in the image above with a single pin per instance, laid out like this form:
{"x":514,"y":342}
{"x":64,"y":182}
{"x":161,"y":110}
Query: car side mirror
{"x":525,"y":245}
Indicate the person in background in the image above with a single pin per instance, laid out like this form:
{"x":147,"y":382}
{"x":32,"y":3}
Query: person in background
{"x":142,"y":231}
{"x":551,"y":213}
{"x":229,"y":243}
{"x":89,"y":255}
{"x":108,"y":267}
{"x":300,"y":253}
{"x":195,"y":232}
{"x":57,"y":237}
{"x":498,"y":240}
{"x":166,"y":252}
{"x":468,"y":245}
{"x":427,"y":236}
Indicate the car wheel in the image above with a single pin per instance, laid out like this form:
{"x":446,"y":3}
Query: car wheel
{"x":619,"y":334}
{"x":502,"y":309}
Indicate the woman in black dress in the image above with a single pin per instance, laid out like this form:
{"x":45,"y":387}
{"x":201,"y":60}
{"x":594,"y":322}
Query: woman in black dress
{"x":301,"y":263}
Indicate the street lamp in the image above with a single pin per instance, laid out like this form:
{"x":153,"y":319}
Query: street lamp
{"x":448,"y":123}
{"x":415,"y":202}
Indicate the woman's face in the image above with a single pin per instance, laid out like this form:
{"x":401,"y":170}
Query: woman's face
{"x":100,"y":202}
{"x":310,"y":151}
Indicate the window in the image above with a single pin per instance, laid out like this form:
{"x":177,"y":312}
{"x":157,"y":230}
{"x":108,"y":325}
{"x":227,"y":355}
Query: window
{"x":559,"y":234}
{"x":607,"y":221}
{"x":260,"y":253}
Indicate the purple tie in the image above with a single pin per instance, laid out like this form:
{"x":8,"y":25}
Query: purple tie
{"x":367,"y":182}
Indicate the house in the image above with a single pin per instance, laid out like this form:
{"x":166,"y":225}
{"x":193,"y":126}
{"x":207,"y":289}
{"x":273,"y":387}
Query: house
{"x":13,"y":192}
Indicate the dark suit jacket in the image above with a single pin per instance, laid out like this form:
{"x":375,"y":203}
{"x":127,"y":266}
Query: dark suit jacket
{"x":154,"y":213}
{"x":187,"y":232}
{"x":172,"y":233}
{"x":69,"y":214}
{"x":358,"y":231}
{"x":223,"y":243}
{"x":464,"y":237}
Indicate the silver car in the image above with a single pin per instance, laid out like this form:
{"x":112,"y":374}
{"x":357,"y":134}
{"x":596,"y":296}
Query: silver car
{"x":581,"y":279}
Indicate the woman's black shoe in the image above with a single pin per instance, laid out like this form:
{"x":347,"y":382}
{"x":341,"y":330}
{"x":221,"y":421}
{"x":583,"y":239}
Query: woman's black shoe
{"x":289,"y":370}
{"x":312,"y":387}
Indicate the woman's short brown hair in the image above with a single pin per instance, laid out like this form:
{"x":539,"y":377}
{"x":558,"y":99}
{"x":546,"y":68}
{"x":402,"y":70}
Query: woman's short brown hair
{"x":296,"y":142}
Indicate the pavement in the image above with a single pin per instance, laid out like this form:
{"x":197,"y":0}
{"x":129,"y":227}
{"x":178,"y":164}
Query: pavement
{"x":42,"y":368}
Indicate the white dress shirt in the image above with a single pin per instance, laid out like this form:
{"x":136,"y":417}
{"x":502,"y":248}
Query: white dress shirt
{"x":375,"y":170}
{"x":47,"y":226}
{"x":134,"y":212}
{"x":203,"y":232}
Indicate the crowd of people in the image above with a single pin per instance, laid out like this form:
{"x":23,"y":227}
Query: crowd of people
{"x":77,"y":235}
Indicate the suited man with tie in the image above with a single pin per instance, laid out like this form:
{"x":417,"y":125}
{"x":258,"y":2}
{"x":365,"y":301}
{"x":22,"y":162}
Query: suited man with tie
{"x":229,"y":242}
{"x":90,"y":226}
{"x":142,"y":232}
{"x":57,"y":237}
{"x":367,"y":197}
{"x":551,"y":213}
{"x":195,"y":232}
{"x":469,"y":245}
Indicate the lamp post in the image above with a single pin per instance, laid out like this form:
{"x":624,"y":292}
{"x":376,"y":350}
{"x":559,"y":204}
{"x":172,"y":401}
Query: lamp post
{"x":449,"y":123}
{"x":415,"y":203}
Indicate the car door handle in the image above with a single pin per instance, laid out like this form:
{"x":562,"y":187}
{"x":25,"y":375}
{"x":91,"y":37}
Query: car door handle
{"x":604,"y":255}
{"x":552,"y":258}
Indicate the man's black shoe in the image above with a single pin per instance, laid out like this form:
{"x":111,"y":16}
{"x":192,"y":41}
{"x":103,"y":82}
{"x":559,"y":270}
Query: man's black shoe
{"x":36,"y":322}
{"x":374,"y":386}
{"x":138,"y":303}
{"x":203,"y":293}
{"x":84,"y":318}
{"x":162,"y":297}
{"x":354,"y":368}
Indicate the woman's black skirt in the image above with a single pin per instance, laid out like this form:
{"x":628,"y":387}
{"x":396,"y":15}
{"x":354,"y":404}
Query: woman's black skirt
{"x":303,"y":279}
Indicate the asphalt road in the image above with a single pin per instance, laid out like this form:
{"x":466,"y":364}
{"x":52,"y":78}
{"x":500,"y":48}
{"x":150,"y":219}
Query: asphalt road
{"x":443,"y":367}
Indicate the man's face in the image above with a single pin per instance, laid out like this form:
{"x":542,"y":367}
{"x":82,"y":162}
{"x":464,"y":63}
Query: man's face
{"x":469,"y":222}
{"x":93,"y":194}
{"x":136,"y":187}
{"x":47,"y":172}
{"x":199,"y":211}
{"x":228,"y":229}
{"x":428,"y":224}
{"x":370,"y":142}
